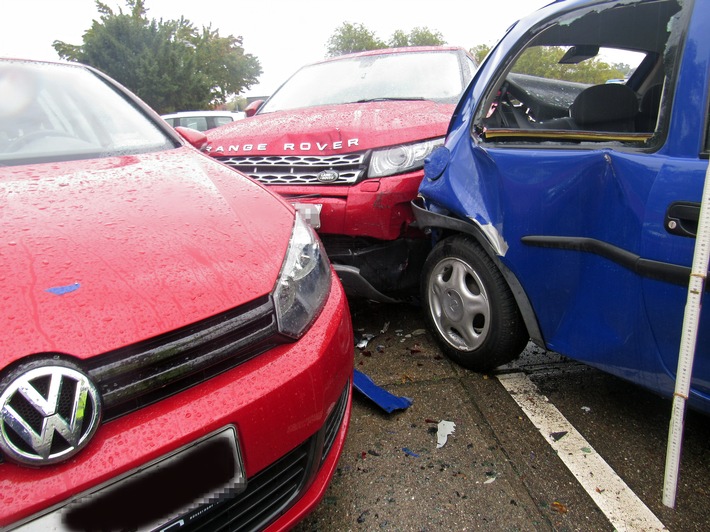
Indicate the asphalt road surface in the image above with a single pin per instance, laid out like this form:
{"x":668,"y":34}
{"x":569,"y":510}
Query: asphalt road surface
{"x":498,"y":470}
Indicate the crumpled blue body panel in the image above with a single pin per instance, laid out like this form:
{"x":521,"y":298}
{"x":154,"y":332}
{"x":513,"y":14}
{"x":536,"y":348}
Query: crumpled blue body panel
{"x":582,"y":227}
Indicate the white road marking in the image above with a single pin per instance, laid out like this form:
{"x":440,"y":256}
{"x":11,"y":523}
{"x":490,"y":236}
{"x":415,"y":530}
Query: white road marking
{"x":622,"y":507}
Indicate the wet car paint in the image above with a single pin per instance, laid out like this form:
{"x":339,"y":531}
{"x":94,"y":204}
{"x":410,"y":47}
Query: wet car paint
{"x":332,"y":129}
{"x":162,"y":253}
{"x":111,"y":252}
{"x":297,"y":381}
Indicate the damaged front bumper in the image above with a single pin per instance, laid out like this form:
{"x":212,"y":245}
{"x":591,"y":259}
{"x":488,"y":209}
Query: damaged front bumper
{"x":384,"y":271}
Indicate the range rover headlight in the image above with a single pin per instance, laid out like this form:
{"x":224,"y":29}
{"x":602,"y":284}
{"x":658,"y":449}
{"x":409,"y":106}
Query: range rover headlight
{"x":400,"y":159}
{"x":304,"y":281}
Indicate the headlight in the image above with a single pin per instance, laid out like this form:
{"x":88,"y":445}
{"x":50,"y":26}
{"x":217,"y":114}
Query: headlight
{"x":303,"y":283}
{"x":400,"y":159}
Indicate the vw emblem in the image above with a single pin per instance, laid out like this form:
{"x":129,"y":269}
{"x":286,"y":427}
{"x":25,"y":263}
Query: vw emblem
{"x":328,"y":176}
{"x":48,"y":413}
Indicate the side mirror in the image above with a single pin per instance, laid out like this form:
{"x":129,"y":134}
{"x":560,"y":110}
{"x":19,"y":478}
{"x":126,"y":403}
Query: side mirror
{"x":196,"y":138}
{"x":253,"y":107}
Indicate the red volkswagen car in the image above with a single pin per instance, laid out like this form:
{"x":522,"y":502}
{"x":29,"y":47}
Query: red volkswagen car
{"x":176,"y":350}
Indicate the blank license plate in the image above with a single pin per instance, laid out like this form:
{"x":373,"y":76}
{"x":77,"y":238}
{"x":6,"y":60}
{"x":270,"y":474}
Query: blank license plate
{"x":168,"y":493}
{"x":310,"y":212}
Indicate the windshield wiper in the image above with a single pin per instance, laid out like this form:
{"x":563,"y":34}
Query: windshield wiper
{"x":392,"y":99}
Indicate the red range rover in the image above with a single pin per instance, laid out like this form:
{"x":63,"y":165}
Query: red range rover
{"x":345,"y":140}
{"x":176,"y":352}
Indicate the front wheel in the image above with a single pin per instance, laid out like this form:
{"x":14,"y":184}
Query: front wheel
{"x":469,"y":306}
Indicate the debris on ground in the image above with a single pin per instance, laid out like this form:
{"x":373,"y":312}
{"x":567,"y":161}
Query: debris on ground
{"x":409,"y":452}
{"x":559,"y":507}
{"x":557,"y":436}
{"x":445,"y":429}
{"x":363,"y":340}
{"x":381,"y":397}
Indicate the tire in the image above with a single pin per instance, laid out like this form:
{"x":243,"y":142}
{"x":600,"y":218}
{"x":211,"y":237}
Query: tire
{"x":469,"y":306}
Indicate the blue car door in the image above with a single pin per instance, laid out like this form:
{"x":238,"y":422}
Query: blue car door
{"x":588,"y":192}
{"x":673,"y":207}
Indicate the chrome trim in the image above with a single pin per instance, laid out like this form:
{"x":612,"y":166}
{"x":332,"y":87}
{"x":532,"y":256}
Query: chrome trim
{"x":300,"y":170}
{"x":48,"y":414}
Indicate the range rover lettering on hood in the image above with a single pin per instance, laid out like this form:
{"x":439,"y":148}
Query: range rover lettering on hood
{"x":288,"y":146}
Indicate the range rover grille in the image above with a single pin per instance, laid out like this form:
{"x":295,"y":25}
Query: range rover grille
{"x":301,"y":170}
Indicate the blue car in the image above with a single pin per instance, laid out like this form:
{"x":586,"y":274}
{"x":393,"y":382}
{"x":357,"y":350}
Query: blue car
{"x":564,"y":205}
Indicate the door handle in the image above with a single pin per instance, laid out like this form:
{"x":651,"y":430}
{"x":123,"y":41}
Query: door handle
{"x":682,"y":218}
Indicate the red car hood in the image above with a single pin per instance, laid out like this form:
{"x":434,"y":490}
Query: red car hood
{"x":98,"y":254}
{"x":332,"y":129}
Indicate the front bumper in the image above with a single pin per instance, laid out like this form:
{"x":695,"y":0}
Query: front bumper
{"x":369,"y":233}
{"x":289,"y":405}
{"x":381,"y":270}
{"x":373,"y":208}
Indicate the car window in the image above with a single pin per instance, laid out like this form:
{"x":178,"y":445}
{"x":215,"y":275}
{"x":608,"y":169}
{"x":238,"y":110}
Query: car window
{"x":437,"y":76}
{"x":221,"y":120}
{"x":51,"y":112}
{"x":574,"y":82}
{"x":194,"y":122}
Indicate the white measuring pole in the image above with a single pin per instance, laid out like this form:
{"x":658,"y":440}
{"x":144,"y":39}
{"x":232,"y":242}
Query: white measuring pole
{"x":688,"y":340}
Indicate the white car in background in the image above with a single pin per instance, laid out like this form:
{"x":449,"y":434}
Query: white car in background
{"x":203,"y":120}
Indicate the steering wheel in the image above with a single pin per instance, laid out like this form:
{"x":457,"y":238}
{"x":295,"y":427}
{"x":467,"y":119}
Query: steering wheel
{"x":497,"y":106}
{"x":29,"y":138}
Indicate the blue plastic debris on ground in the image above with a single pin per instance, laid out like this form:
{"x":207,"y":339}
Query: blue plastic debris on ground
{"x":385,"y":400}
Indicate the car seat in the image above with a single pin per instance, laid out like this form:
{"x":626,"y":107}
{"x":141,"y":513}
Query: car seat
{"x":605,"y":107}
{"x":648,"y":110}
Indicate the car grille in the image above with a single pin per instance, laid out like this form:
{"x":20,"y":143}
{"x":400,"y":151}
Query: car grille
{"x":268,"y":494}
{"x":272,"y":491}
{"x":137,"y":375}
{"x":300,"y":170}
{"x":332,"y":424}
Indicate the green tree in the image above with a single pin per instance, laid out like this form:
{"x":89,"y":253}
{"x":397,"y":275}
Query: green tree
{"x":350,"y":38}
{"x":624,"y":68}
{"x":543,"y":61}
{"x":416,"y":37}
{"x":399,"y":39}
{"x":171,"y":65}
{"x":479,"y":52}
{"x":235,"y":103}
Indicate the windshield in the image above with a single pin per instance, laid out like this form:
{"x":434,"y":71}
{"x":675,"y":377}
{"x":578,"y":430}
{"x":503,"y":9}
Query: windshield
{"x":437,"y":76}
{"x":54,"y":112}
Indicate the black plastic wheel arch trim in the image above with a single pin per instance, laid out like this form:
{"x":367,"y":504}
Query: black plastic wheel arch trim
{"x":427,"y":219}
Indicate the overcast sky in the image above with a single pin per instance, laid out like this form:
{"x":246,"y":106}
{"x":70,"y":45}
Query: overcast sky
{"x":282,"y":34}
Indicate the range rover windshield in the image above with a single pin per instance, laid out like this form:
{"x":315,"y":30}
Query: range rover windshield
{"x":55,"y":112}
{"x":438,"y":75}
